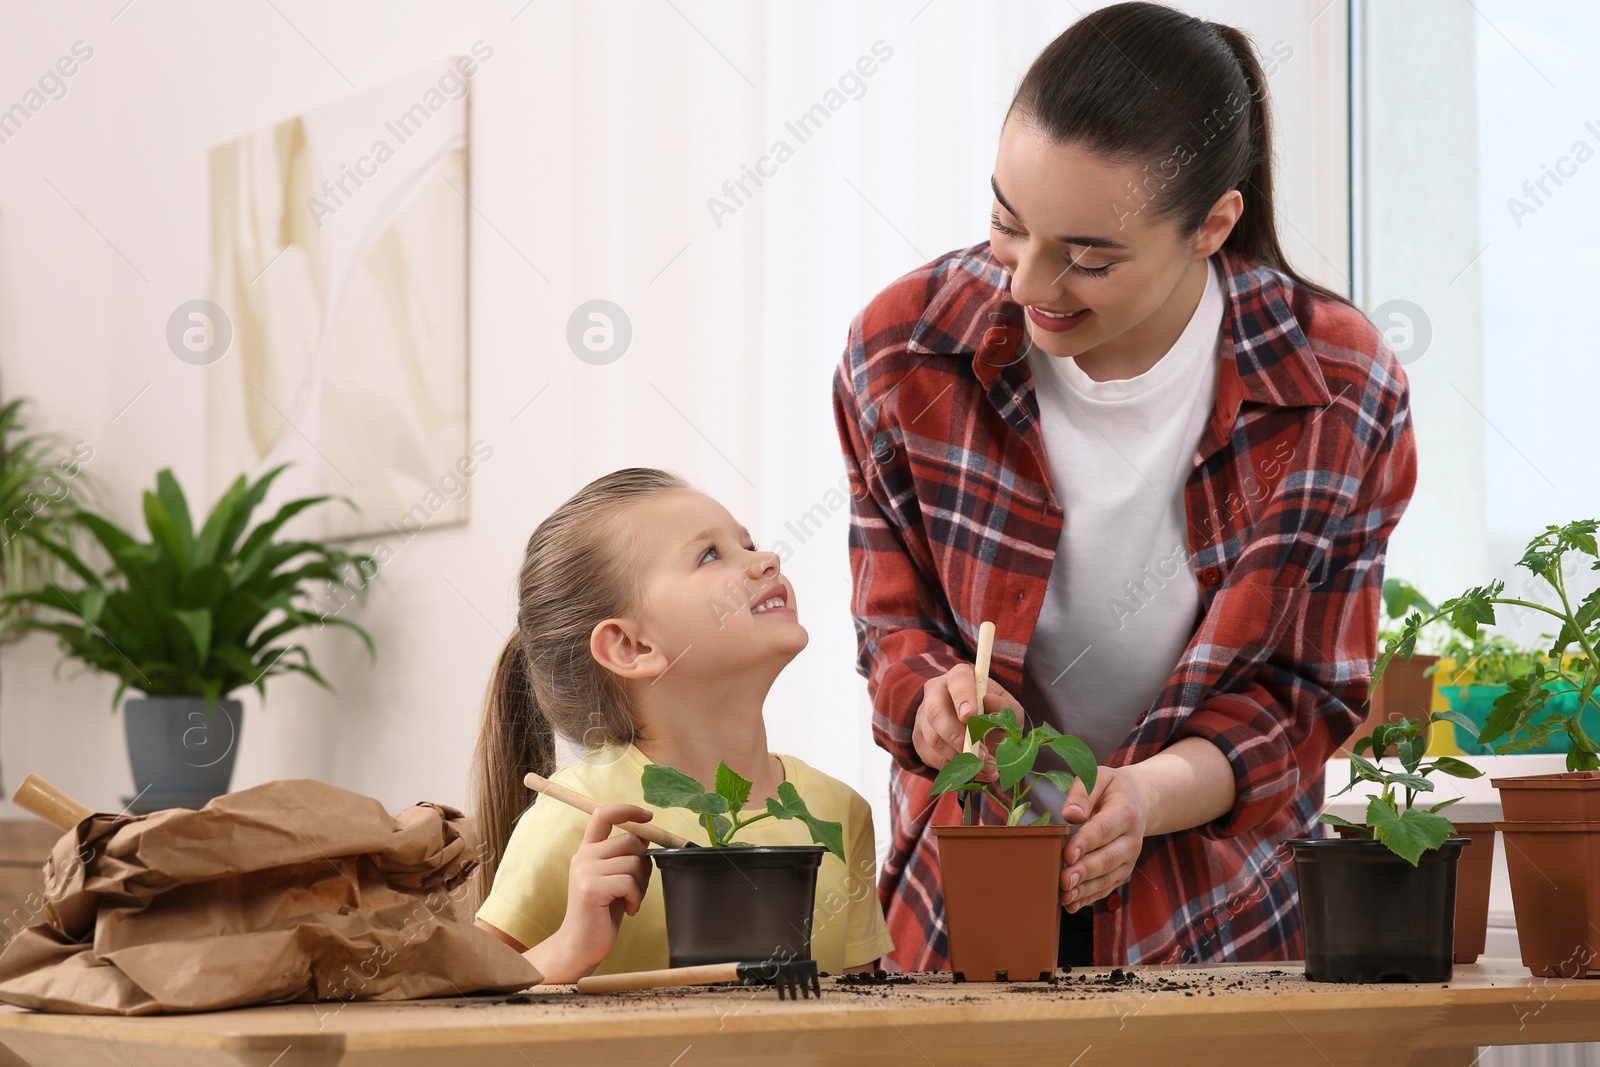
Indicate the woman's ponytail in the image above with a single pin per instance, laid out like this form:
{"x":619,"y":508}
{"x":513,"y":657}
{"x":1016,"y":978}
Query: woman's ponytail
{"x":1202,"y":127}
{"x":1256,"y":233}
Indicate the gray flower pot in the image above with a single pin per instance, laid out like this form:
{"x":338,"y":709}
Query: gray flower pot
{"x":182,"y":755}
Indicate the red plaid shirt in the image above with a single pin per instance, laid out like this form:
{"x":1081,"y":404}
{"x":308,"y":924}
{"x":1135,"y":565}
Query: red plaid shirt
{"x":1307,"y":463}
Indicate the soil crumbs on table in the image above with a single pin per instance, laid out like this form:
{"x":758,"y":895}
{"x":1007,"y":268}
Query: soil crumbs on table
{"x":1085,"y":984}
{"x":1091,"y":985}
{"x":1114,"y":983}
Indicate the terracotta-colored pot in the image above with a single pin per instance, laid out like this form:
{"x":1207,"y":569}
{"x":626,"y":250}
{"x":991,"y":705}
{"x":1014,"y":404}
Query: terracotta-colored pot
{"x":1002,"y":900}
{"x":1570,"y":797}
{"x":1403,"y":692}
{"x":1474,"y":872}
{"x":1555,"y":892}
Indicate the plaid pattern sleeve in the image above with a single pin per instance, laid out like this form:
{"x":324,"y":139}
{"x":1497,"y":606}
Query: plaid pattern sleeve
{"x":906,"y":632}
{"x":1305,"y":467}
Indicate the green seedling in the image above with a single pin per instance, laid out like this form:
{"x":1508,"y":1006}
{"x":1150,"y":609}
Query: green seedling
{"x":719,"y":810}
{"x":1516,"y":711}
{"x":1014,"y":759}
{"x":1408,"y":831}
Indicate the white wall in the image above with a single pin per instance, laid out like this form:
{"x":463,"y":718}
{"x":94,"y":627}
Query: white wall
{"x":598,"y":133}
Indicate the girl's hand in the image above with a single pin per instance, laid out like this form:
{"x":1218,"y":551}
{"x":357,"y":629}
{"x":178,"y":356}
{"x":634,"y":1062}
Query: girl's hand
{"x":606,"y":880}
{"x":1101,"y":853}
{"x":940,"y":732}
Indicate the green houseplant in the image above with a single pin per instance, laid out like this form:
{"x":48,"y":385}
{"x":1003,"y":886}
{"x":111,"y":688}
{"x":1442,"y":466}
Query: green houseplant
{"x":1019,"y":941}
{"x":1520,"y":714}
{"x":1401,"y":853}
{"x":1474,"y":673}
{"x":39,"y":473}
{"x":1551,"y":821}
{"x":734,"y":901}
{"x":1407,"y":691}
{"x":186,"y":618}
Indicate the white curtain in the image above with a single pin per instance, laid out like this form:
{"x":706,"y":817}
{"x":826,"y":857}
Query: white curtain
{"x":599,"y":131}
{"x":739,"y":336}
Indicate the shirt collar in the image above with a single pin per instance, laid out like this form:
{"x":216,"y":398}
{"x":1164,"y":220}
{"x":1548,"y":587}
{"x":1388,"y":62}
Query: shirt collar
{"x":1272,"y":361}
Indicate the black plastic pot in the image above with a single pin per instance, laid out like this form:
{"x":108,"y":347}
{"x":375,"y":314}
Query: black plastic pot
{"x":738,"y":905}
{"x":1372,"y":917}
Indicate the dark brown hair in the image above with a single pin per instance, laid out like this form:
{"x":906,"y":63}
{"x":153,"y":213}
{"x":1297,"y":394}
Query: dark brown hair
{"x":1185,"y":99}
{"x":576,"y":571}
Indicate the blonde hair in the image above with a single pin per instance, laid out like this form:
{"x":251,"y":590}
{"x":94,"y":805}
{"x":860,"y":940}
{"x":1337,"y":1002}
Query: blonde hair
{"x":575,"y":572}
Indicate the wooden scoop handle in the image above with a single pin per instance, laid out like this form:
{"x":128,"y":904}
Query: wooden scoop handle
{"x":980,"y":672}
{"x":49,"y":803}
{"x":704,"y":974}
{"x":653,"y":834}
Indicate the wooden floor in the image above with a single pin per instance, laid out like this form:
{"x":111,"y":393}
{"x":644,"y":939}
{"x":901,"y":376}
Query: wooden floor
{"x":1226,"y":1016}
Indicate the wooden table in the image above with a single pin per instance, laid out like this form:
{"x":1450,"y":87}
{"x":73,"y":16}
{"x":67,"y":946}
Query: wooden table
{"x":1230,"y":1016}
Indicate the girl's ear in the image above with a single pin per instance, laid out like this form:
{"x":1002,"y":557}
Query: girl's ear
{"x":619,"y":645}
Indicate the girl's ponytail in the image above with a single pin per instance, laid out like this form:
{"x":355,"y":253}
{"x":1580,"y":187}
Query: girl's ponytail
{"x":515,"y":738}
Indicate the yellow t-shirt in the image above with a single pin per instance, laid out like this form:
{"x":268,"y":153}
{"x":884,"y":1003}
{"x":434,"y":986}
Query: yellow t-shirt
{"x":529,"y":896}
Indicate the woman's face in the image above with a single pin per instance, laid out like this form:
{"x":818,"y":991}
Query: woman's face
{"x":1078,"y":236}
{"x":710,"y":601}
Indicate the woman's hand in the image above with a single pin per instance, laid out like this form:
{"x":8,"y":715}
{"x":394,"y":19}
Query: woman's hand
{"x":1187,"y":784}
{"x":606,"y":880}
{"x":1101,"y":853}
{"x":948,"y":701}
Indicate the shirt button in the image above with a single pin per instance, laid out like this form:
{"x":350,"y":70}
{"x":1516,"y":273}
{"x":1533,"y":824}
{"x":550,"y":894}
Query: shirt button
{"x":1113,"y":902}
{"x":1210,"y":576}
{"x":1020,"y":598}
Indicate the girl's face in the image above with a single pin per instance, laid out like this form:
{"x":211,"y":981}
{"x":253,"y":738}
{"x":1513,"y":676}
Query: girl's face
{"x":1079,"y":239}
{"x":711,"y":602}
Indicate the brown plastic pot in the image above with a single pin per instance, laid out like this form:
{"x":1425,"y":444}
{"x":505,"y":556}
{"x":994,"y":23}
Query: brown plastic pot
{"x":1403,"y":692}
{"x":1002,"y":900}
{"x":1570,"y":797}
{"x":1474,"y":872}
{"x":1555,"y":892}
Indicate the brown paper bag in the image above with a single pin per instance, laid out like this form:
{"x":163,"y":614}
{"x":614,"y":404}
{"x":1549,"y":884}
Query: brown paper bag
{"x":291,"y":891}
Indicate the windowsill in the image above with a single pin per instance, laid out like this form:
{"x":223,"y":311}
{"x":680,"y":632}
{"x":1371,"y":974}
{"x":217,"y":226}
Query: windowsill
{"x":1480,"y":801}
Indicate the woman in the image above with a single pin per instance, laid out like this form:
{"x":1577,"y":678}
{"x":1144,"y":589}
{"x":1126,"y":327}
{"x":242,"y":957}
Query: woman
{"x":1163,"y":463}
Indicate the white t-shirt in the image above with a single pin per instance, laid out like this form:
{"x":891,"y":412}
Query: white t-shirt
{"x":1122,"y":601}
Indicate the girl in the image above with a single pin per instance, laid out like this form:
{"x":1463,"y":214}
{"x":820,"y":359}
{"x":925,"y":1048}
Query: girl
{"x":1166,"y":464}
{"x":650,"y":629}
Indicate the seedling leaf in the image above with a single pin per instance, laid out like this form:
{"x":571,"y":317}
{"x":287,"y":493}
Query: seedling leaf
{"x":979,"y":726}
{"x":959,"y":771}
{"x":1334,"y":820}
{"x":1409,"y":833}
{"x":668,"y":787}
{"x":1458,"y":719}
{"x":788,"y":805}
{"x":1455,"y":768}
{"x":1014,"y":758}
{"x":733,"y":787}
{"x":1079,"y":757}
